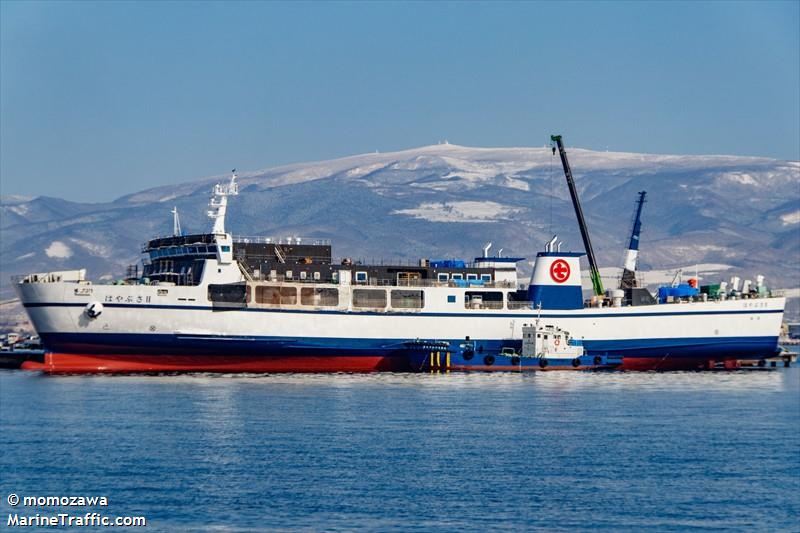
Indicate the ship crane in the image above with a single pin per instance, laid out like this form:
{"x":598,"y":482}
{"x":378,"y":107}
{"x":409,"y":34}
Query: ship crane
{"x":597,"y":284}
{"x":628,"y":280}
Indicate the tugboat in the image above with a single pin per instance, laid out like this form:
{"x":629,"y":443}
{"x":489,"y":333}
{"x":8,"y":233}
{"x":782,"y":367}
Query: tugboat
{"x":543,"y":347}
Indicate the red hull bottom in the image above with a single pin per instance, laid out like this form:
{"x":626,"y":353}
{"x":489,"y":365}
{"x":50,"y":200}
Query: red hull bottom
{"x":63,"y":363}
{"x":674,"y":363}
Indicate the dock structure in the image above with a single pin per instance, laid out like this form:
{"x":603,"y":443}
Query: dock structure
{"x":785,"y":357}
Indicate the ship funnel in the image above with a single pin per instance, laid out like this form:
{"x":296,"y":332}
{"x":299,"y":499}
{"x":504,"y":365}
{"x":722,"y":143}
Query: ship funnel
{"x":486,"y":249}
{"x":548,"y":247}
{"x":556,"y":279}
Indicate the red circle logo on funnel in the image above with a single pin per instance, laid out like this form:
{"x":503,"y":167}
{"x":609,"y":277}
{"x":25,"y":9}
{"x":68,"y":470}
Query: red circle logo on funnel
{"x":559,"y":271}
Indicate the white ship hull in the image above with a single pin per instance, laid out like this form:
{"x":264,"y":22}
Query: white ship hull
{"x":156,"y":328}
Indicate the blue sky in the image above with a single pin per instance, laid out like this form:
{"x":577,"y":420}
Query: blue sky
{"x":102,"y":99}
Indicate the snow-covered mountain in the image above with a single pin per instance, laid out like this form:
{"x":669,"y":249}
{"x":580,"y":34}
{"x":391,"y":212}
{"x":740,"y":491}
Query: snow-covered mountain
{"x":741,"y":215}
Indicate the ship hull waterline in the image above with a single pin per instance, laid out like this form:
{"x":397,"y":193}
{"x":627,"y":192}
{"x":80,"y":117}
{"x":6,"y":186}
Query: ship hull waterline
{"x":146,"y":353}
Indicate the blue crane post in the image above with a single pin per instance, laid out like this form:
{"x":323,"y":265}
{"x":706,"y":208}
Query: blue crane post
{"x":629,"y":268}
{"x":597,"y":285}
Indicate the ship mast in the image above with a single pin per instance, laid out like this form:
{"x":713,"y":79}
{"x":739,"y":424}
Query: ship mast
{"x":219,"y":203}
{"x":176,"y":222}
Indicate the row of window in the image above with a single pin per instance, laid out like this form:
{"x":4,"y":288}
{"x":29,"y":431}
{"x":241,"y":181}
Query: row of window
{"x":444,"y":277}
{"x":375,"y":298}
{"x":363,"y":277}
{"x":441,"y":277}
{"x":183,"y":250}
{"x":328,"y":297}
{"x":288,"y":296}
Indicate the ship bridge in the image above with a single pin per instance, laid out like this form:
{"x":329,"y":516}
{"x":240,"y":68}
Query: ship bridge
{"x":178,"y":259}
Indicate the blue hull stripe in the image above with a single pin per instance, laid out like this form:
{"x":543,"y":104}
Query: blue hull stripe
{"x":544,"y":314}
{"x":169,"y":344}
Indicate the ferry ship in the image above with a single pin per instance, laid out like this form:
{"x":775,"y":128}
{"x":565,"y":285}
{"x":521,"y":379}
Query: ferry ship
{"x":213,"y":302}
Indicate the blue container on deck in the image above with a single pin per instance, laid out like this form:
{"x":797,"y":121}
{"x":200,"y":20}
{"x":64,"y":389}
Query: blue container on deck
{"x":684,"y":290}
{"x":448,"y":263}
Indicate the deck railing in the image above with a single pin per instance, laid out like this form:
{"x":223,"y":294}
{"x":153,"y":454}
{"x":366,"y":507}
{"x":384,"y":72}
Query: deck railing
{"x":312,"y":241}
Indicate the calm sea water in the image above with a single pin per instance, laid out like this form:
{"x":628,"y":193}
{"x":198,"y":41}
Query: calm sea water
{"x":556,"y":451}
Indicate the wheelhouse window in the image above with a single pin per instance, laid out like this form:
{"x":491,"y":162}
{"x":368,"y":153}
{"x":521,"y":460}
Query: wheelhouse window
{"x":319,"y":297}
{"x":361,"y":277}
{"x":483,"y":300}
{"x":408,"y":299}
{"x":472,"y":277}
{"x":269,"y":295}
{"x":369,"y":298}
{"x":457,"y":276}
{"x":486,"y":277}
{"x":442,"y":277}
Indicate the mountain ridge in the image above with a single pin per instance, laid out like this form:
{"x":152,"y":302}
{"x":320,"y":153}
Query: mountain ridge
{"x":447,"y":200}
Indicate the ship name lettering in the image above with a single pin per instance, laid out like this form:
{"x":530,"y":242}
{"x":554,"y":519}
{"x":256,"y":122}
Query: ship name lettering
{"x":127,"y":299}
